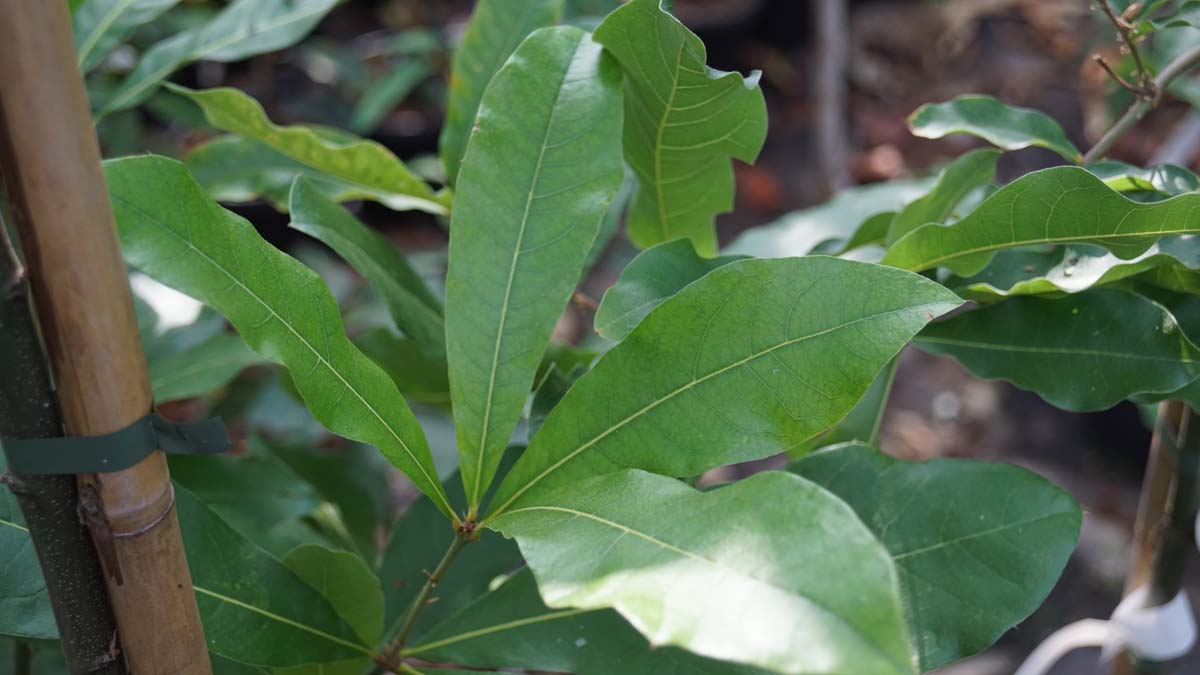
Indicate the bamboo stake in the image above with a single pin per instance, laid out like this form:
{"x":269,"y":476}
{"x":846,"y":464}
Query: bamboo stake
{"x":81,"y":292}
{"x":74,"y":579}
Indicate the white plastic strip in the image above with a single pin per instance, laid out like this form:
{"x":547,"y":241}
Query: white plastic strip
{"x":1161,"y":633}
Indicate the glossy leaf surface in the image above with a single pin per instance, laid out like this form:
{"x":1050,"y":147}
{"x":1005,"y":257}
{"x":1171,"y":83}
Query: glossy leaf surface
{"x":1083,"y":352}
{"x":683,"y":123}
{"x":413,"y":307}
{"x":720,"y":573}
{"x":1053,"y":206}
{"x":368,"y":166}
{"x":540,"y":170}
{"x":492,"y":35}
{"x":173,"y":232}
{"x":977,"y":546}
{"x":654,"y":275}
{"x":752,"y":359}
{"x":1005,"y":126}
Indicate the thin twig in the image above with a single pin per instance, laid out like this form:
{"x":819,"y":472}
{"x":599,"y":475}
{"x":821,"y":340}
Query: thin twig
{"x":1134,"y":89}
{"x":1141,"y":106}
{"x":1125,"y":31}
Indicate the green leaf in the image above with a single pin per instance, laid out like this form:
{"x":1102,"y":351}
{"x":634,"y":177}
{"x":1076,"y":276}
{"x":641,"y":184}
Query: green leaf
{"x":1167,"y":179}
{"x":1186,"y":16}
{"x":1054,"y":206}
{"x":872,"y":231}
{"x":254,"y":609}
{"x":101,"y":25}
{"x":25,"y":610}
{"x":828,"y":227}
{"x":173,"y":232}
{"x":1000,"y":124}
{"x":416,"y":545}
{"x":242,"y":29}
{"x":256,"y":494}
{"x":413,"y":307}
{"x":862,"y":424}
{"x":493,"y":33}
{"x":969,"y":172}
{"x":1084,"y":352}
{"x":201,"y":369}
{"x":977,"y":546}
{"x":235,"y":169}
{"x":1073,"y":269}
{"x":720,"y":573}
{"x":418,"y":377}
{"x":541,"y":168}
{"x":683,"y":123}
{"x":654,"y":275}
{"x":510,"y":627}
{"x":345,"y":581}
{"x":369,"y":167}
{"x":754,"y":358}
{"x":388,"y":92}
{"x":354,"y":479}
{"x":553,"y":386}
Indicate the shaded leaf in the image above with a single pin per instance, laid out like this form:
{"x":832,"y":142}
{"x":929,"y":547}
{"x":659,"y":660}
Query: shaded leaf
{"x":173,"y":232}
{"x":977,"y":546}
{"x":242,"y":29}
{"x":493,"y":33}
{"x":554,"y":385}
{"x":1166,"y":179}
{"x":754,"y":358}
{"x":510,"y":627}
{"x":345,"y":581}
{"x":827,"y":228}
{"x":201,"y":369}
{"x":1053,"y":206}
{"x":1002,"y":125}
{"x":862,"y":424}
{"x":388,"y":92}
{"x":419,"y":377}
{"x":24,"y":603}
{"x":254,"y":609}
{"x":541,"y":168}
{"x":969,"y":172}
{"x":101,"y":25}
{"x":1088,"y":352}
{"x":654,"y":275}
{"x":235,"y":169}
{"x":369,"y":167}
{"x":683,"y":123}
{"x":720,"y":573}
{"x":413,"y":307}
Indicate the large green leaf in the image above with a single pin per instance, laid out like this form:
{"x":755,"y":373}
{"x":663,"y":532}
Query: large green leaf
{"x":1054,"y":206}
{"x":510,"y":627}
{"x":372,"y":169}
{"x":654,"y":275}
{"x":829,"y":227}
{"x":101,"y":25}
{"x":413,"y":307}
{"x":419,"y":377}
{"x":541,"y":168}
{"x":242,"y":29}
{"x":970,"y":172}
{"x":493,"y":33}
{"x":346,"y":582}
{"x":1174,"y":260}
{"x":683,"y":123}
{"x":172,"y":231}
{"x":1000,"y":124}
{"x":723,"y":574}
{"x":1167,"y":179}
{"x":255,"y":610}
{"x":200,"y":369}
{"x":863,"y":422}
{"x":1083,"y":352}
{"x":235,"y":169}
{"x":977,"y":546}
{"x":24,"y":603}
{"x":754,"y":358}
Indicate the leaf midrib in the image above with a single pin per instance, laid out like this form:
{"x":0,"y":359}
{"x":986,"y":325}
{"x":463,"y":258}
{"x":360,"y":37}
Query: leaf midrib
{"x":495,"y":628}
{"x":282,"y":619}
{"x":1064,"y":351}
{"x":299,"y":337}
{"x":687,"y":387}
{"x":101,"y":27}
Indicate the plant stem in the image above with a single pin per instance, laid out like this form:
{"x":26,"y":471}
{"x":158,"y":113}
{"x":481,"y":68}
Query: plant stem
{"x":49,"y":504}
{"x":399,"y":632}
{"x":1143,"y":105}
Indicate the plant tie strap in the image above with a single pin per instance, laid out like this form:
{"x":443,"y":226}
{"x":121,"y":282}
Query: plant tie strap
{"x":116,"y":451}
{"x":1162,"y":633}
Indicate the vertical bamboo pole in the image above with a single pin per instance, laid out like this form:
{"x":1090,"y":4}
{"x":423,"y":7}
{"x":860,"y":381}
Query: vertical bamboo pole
{"x":62,"y":212}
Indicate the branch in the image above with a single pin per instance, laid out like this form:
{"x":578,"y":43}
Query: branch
{"x":1143,"y":105}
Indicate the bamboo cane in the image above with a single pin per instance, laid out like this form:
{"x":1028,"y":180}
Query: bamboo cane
{"x":63,"y":216}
